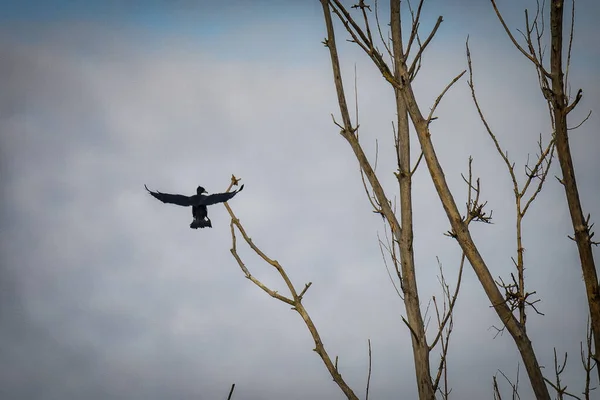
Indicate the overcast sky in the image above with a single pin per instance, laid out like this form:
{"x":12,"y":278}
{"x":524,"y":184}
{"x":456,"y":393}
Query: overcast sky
{"x":105,"y":293}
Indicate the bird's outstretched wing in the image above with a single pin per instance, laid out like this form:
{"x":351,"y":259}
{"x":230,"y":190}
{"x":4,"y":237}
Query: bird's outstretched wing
{"x":219,"y":197}
{"x":178,"y":199}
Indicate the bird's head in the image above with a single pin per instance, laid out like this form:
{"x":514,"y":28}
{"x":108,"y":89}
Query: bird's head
{"x":200,"y":190}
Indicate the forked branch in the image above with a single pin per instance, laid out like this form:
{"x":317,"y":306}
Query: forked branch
{"x":445,"y":326}
{"x":294,"y":299}
{"x":515,"y":294}
{"x":531,"y":57}
{"x":588,"y":361}
{"x":561,"y":391}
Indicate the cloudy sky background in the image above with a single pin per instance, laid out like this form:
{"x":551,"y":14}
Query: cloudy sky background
{"x":107,"y":293}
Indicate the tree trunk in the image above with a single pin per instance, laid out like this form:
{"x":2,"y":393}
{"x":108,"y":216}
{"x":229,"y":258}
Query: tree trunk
{"x":407,"y":261}
{"x":580,"y":225}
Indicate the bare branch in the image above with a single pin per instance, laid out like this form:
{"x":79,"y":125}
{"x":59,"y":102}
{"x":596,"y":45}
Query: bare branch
{"x":516,"y":298}
{"x":475,"y":208}
{"x":306,"y":286}
{"x":571,"y":34}
{"x":497,"y":395}
{"x":258,"y":283}
{"x":414,"y":32}
{"x":353,"y":29}
{"x":439,"y":98}
{"x":231,"y":392}
{"x":358,"y":37}
{"x":582,"y":122}
{"x":545,"y":156}
{"x":356,"y":98}
{"x":452,"y":300}
{"x":412,"y":331}
{"x":372,"y":199}
{"x":369,"y":376}
{"x":445,"y":326}
{"x":411,"y":71}
{"x":586,"y":360}
{"x":503,"y":154}
{"x":514,"y":386}
{"x":561,"y":391}
{"x":347,"y":130}
{"x":578,"y":97}
{"x":295,"y":300}
{"x":417,"y":164}
{"x":381,"y":247}
{"x":387,"y":47}
{"x":531,"y":57}
{"x":363,"y":8}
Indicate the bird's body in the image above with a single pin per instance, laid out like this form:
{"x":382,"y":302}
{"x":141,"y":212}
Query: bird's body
{"x":198,"y":202}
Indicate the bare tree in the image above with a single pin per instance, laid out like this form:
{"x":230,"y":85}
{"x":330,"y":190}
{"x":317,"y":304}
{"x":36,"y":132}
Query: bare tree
{"x":399,"y":66}
{"x":401,"y":242}
{"x":402,"y":230}
{"x":401,"y":76}
{"x":554,"y":87}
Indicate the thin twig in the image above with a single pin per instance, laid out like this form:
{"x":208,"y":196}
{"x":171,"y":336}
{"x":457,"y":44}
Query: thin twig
{"x":452,"y":303}
{"x":439,"y":98}
{"x":567,"y":67}
{"x":582,"y":122}
{"x":414,"y":32}
{"x":411,"y":71}
{"x":561,"y":391}
{"x":586,"y":360}
{"x":231,"y":392}
{"x":504,"y":155}
{"x":497,"y":395}
{"x":514,"y":386}
{"x":547,"y":155}
{"x":381,"y":246}
{"x":387,"y":48}
{"x":369,"y":376}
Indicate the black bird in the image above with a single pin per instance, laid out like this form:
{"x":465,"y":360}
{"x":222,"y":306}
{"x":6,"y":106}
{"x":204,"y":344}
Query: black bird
{"x":199,"y":201}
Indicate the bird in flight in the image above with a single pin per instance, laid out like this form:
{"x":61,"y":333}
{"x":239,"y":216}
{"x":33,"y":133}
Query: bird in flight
{"x":199,"y":201}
